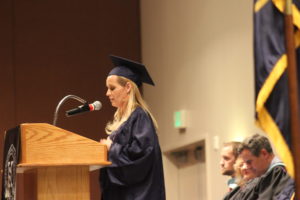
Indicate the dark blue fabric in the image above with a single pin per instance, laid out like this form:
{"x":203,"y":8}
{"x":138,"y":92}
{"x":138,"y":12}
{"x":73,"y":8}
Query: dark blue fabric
{"x":269,"y":44}
{"x":273,"y":185}
{"x":287,"y":192}
{"x":127,"y":73}
{"x":136,"y":172}
{"x":132,"y":70}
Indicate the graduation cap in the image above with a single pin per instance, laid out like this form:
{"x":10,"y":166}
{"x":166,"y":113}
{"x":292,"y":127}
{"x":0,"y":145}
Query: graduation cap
{"x":134,"y":71}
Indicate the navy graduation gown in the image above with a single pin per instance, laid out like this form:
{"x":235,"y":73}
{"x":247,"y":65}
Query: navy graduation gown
{"x":275,"y":184}
{"x":244,"y":192}
{"x":136,"y":172}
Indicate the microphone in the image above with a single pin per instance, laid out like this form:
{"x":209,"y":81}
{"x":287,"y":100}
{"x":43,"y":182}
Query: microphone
{"x":84,"y":108}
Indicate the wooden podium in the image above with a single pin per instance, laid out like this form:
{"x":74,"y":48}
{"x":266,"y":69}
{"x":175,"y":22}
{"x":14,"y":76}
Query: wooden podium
{"x":59,"y":161}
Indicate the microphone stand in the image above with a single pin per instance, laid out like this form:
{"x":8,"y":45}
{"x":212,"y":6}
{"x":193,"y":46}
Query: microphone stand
{"x":62,"y":101}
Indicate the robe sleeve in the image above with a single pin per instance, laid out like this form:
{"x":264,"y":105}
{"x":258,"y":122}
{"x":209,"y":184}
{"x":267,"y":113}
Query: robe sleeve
{"x":245,"y":192}
{"x":230,"y":194}
{"x":287,"y":192}
{"x":133,"y":159}
{"x":273,"y":183}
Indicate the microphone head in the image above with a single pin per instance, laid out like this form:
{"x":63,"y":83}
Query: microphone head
{"x":97,"y":105}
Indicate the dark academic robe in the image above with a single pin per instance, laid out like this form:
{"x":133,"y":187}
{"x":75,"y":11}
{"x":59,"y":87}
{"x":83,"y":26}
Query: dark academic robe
{"x":242,"y":192}
{"x":136,"y":172}
{"x":273,"y":185}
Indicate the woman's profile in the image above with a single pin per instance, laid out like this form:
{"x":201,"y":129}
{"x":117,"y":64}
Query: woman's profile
{"x":136,"y":172}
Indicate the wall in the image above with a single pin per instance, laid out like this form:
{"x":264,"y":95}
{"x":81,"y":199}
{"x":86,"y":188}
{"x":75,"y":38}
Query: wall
{"x":200,"y":56}
{"x":53,"y":48}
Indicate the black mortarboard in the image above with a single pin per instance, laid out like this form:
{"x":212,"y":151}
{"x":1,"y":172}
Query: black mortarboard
{"x":134,"y":71}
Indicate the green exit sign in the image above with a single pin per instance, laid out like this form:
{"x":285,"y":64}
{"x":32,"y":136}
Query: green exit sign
{"x":179,"y":119}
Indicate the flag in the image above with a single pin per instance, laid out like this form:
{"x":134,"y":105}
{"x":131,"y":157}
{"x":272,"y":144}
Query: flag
{"x":271,"y":81}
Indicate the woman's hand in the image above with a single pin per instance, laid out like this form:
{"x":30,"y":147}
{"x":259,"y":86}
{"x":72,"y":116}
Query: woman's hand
{"x":106,"y":142}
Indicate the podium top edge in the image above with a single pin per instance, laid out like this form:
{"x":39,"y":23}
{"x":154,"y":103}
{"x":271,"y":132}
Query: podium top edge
{"x":104,"y":163}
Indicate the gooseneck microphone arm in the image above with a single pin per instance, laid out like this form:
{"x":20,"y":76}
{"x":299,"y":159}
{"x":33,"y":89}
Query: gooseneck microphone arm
{"x":62,"y":101}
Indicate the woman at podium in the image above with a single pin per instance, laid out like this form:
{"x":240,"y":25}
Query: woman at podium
{"x":136,"y":172}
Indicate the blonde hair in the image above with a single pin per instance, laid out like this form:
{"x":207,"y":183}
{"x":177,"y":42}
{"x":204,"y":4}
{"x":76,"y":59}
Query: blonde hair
{"x":135,"y":100}
{"x":238,"y":172}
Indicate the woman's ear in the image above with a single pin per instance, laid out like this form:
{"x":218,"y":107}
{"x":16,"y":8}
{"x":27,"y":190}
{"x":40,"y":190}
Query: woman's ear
{"x":128,"y":87}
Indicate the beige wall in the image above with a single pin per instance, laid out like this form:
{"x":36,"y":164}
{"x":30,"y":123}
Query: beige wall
{"x":200,"y":56}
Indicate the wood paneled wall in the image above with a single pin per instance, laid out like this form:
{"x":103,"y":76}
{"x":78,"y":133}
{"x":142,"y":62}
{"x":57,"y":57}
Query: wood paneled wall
{"x":52,"y":48}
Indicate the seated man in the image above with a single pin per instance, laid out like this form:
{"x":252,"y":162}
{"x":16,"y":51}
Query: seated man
{"x":229,"y":154}
{"x":265,"y":173}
